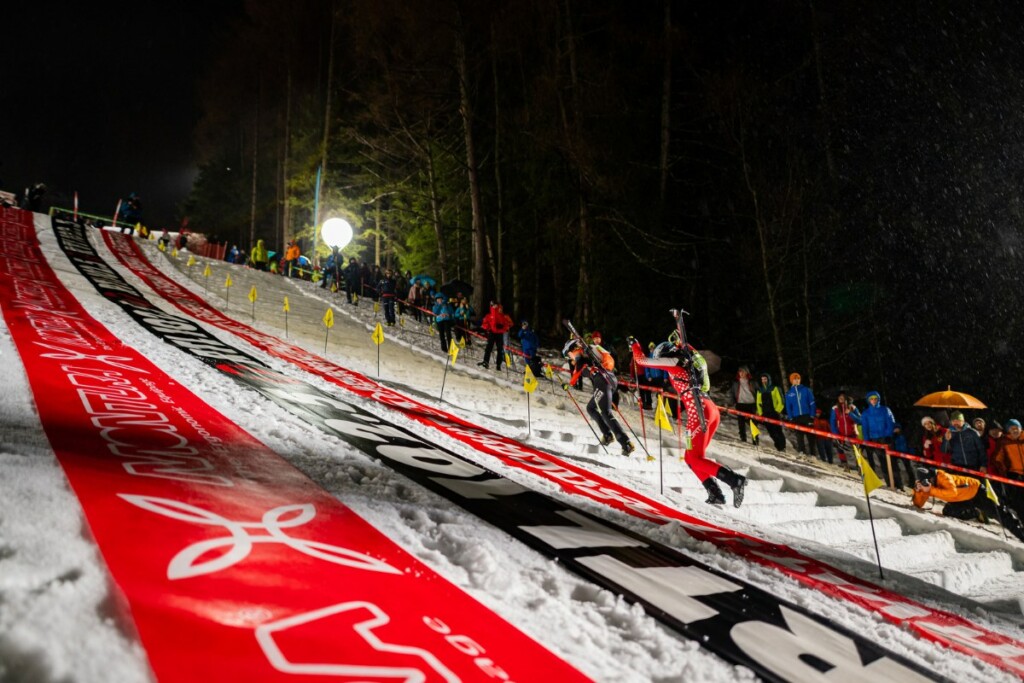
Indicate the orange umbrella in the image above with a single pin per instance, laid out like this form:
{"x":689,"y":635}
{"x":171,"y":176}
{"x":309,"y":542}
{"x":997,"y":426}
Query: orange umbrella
{"x":949,"y":399}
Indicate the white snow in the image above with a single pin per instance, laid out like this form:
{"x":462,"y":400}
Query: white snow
{"x":58,"y":620}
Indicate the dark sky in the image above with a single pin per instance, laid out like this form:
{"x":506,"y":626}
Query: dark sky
{"x":103,"y":100}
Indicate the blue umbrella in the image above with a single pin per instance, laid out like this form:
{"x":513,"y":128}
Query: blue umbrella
{"x":424,"y":280}
{"x":304,"y":262}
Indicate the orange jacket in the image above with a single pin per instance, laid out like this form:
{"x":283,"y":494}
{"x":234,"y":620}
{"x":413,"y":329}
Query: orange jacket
{"x":292,"y":252}
{"x":1009,"y":456}
{"x":951,"y":488}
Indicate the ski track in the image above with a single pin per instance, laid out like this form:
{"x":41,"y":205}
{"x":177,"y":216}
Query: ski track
{"x":54,"y":602}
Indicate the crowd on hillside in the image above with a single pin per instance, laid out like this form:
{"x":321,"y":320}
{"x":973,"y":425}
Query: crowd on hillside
{"x":945,"y":438}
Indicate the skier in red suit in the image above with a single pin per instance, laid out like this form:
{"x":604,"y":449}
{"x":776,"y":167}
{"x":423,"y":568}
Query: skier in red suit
{"x":687,"y":372}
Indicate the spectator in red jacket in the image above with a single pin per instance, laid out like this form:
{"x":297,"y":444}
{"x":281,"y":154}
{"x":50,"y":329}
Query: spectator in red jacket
{"x":495,"y":324}
{"x":931,"y":441}
{"x":843,"y":421}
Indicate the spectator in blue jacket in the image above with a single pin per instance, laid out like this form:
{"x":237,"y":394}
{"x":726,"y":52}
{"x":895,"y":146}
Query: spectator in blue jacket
{"x":877,"y":425}
{"x":443,"y":318}
{"x":800,"y":410}
{"x":964,"y":445}
{"x":530,"y":344}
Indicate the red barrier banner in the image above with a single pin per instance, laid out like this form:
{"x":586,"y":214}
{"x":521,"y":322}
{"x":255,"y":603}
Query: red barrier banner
{"x":931,"y":624}
{"x":233,"y":564}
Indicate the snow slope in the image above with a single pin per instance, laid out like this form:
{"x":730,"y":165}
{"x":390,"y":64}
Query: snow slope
{"x":58,"y":620}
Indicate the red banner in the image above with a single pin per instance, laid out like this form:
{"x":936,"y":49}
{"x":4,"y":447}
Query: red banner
{"x":234,"y":565}
{"x":935,"y":625}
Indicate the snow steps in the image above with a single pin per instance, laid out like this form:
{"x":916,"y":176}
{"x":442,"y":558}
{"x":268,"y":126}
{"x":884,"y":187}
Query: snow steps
{"x":965,"y":571}
{"x":778,"y":514}
{"x":905,"y":553}
{"x":837,"y":531}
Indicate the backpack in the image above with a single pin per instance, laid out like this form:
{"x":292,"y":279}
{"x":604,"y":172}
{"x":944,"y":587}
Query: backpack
{"x":607,"y":361}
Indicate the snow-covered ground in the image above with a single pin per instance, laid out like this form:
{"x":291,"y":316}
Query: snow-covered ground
{"x":59,"y":621}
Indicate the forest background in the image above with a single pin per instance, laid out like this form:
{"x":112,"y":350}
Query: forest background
{"x":828,"y":188}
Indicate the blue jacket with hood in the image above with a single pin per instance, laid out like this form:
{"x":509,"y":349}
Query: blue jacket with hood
{"x":876,"y":421}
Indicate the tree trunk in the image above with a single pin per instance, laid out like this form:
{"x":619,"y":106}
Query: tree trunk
{"x":435,"y":215}
{"x":286,"y":209}
{"x":497,"y":173}
{"x":582,"y":315}
{"x":479,"y":235}
{"x":255,"y":162}
{"x":666,"y":110}
{"x":763,"y":241}
{"x":327,"y":133}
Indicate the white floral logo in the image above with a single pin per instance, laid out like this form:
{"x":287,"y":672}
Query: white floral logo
{"x":228,"y":550}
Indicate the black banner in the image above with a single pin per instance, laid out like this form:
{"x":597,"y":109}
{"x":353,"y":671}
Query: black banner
{"x":739,"y":622}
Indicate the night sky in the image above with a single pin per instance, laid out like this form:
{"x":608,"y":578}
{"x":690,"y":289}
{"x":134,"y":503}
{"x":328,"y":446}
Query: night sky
{"x":103,"y":100}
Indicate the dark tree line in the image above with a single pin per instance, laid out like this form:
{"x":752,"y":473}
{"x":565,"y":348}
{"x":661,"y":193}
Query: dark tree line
{"x":828,"y":189}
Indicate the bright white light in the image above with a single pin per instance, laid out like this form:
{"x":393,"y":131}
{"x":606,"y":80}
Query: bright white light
{"x":336,"y":232}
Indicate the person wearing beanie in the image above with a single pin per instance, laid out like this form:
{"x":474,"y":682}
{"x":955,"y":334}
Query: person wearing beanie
{"x":964,"y":445}
{"x":800,"y":409}
{"x":965,"y":498}
{"x":1008,"y":462}
{"x":932,"y":437}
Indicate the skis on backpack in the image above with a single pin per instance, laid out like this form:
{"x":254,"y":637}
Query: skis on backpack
{"x":678,"y":314}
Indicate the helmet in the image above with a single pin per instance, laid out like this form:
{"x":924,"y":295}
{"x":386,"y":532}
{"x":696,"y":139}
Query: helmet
{"x":664,"y":350}
{"x":569,"y":346}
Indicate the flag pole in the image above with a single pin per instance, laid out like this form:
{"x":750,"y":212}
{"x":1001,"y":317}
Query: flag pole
{"x":878,"y":555}
{"x":447,"y":360}
{"x":869,"y":486}
{"x":529,"y":422}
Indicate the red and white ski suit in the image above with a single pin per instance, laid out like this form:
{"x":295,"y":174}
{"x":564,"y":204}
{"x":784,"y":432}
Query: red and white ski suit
{"x":700,"y":437}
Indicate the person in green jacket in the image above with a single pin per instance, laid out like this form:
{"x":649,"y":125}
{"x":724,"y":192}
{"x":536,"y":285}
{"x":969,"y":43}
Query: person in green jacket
{"x":770,"y":404}
{"x":258,"y":258}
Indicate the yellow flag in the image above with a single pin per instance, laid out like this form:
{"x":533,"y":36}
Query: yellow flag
{"x":754,"y":431}
{"x":206,"y":271}
{"x":329,"y":318}
{"x":453,"y":350}
{"x":355,"y":299}
{"x":162,"y":246}
{"x":661,"y":416}
{"x":191,"y":261}
{"x":227,"y":281}
{"x":286,"y":306}
{"x":991,"y":493}
{"x":871,"y":480}
{"x":508,"y":360}
{"x":252,"y":294}
{"x":378,"y":335}
{"x":548,"y":373}
{"x":529,"y":381}
{"x":462,"y":344}
{"x":376,"y":307}
{"x":174,"y":252}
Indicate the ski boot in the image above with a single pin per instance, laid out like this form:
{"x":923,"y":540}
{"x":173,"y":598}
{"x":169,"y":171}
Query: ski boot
{"x":715,"y":495}
{"x":628,"y":448}
{"x":607,"y":439}
{"x":483,"y":364}
{"x":737,"y":482}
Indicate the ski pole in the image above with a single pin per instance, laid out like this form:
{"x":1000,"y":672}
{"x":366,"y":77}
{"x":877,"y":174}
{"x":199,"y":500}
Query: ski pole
{"x":633,"y":432}
{"x":584,"y":416}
